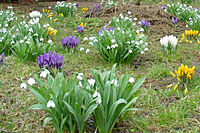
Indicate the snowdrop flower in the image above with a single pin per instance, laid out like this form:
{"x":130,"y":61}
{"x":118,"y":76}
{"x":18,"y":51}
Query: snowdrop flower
{"x":21,"y":41}
{"x":130,"y":51}
{"x":10,"y":7}
{"x":35,"y":14}
{"x":28,"y":42}
{"x":132,"y":41}
{"x":25,"y":37}
{"x":137,"y":31}
{"x":141,"y":41}
{"x":50,"y":41}
{"x":146,"y":49}
{"x":41,"y":39}
{"x":91,"y":82}
{"x":91,"y":43}
{"x":141,"y":30}
{"x":131,"y":80}
{"x":135,"y":19}
{"x":95,"y":40}
{"x":31,"y":81}
{"x":6,"y":25}
{"x":118,"y":28}
{"x":87,"y":50}
{"x":113,"y":41}
{"x":142,"y":52}
{"x":123,"y":32}
{"x":96,"y":94}
{"x":12,"y":42}
{"x":108,"y":47}
{"x":98,"y":101}
{"x":116,"y":45}
{"x":80,"y":84}
{"x":114,"y":81}
{"x":92,"y":38}
{"x":130,"y":35}
{"x":51,"y":104}
{"x":44,"y":73}
{"x":85,"y":38}
{"x":30,"y":30}
{"x":23,"y":85}
{"x":129,"y":12}
{"x":117,"y":20}
{"x":81,"y":49}
{"x":79,"y":77}
{"x":35,"y":34}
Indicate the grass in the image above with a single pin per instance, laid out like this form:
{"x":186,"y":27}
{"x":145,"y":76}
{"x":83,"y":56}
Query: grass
{"x":161,"y":109}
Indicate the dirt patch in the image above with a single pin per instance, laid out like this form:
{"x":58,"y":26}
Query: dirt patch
{"x":161,"y":22}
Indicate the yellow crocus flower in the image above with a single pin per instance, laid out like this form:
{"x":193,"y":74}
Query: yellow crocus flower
{"x":179,"y":80}
{"x":186,"y":41}
{"x":169,"y":86}
{"x":172,"y":74}
{"x":186,"y":90}
{"x":55,"y":20}
{"x":188,"y":76}
{"x":190,"y":42}
{"x":175,"y":86}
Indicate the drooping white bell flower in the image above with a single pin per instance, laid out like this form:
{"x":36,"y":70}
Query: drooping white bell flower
{"x":31,"y":81}
{"x":91,"y":82}
{"x":51,"y":104}
{"x":23,"y":85}
{"x":44,"y":73}
{"x":131,"y":80}
{"x":35,"y":14}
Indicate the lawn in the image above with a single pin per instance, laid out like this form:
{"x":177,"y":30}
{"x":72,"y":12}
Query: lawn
{"x":160,"y":108}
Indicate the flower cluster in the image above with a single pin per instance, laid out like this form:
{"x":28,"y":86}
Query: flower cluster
{"x":97,"y":7}
{"x":85,"y":9}
{"x":105,"y":28}
{"x":145,"y":24}
{"x":183,"y":75}
{"x":67,"y":9}
{"x":189,"y":36}
{"x":35,"y":14}
{"x":169,"y":44}
{"x":81,"y":27}
{"x":52,"y":31}
{"x":70,"y":42}
{"x":50,"y":60}
{"x":2,"y":58}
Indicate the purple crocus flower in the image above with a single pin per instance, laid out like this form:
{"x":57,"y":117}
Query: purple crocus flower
{"x":71,"y":41}
{"x":2,"y":57}
{"x":80,"y":29}
{"x":174,"y":21}
{"x":104,"y":28}
{"x":145,"y":23}
{"x":77,"y":5}
{"x":97,"y":7}
{"x":49,"y":60}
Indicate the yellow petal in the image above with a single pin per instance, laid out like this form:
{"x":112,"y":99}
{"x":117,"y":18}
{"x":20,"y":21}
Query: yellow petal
{"x":175,"y":86}
{"x":186,"y":90}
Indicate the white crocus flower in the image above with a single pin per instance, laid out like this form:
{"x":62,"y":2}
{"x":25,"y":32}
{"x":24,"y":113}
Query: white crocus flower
{"x":31,"y":81}
{"x":91,"y":82}
{"x":23,"y":85}
{"x":44,"y":73}
{"x":131,"y":80}
{"x":51,"y":104}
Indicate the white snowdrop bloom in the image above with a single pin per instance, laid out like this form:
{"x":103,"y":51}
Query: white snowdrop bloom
{"x":128,"y":42}
{"x":132,"y":41}
{"x":142,"y":52}
{"x":135,"y":19}
{"x":114,"y":82}
{"x":126,"y":18}
{"x":113,"y":40}
{"x":91,"y":43}
{"x":21,"y":41}
{"x":10,"y":7}
{"x":108,"y":47}
{"x":41,"y":39}
{"x":44,"y":73}
{"x":112,"y":46}
{"x":23,"y":85}
{"x":35,"y":14}
{"x":50,"y":41}
{"x":31,"y":81}
{"x":96,"y":94}
{"x":142,"y":35}
{"x":79,"y":77}
{"x":81,"y":49}
{"x":30,"y":30}
{"x":141,"y":41}
{"x":6,"y":25}
{"x":28,"y":42}
{"x":87,"y":51}
{"x":92,"y":38}
{"x":186,"y":26}
{"x":137,"y":43}
{"x":35,"y":34}
{"x":141,"y":30}
{"x":49,"y":7}
{"x":91,"y":82}
{"x":129,"y":12}
{"x":109,"y":22}
{"x":146,"y":49}
{"x":51,"y":104}
{"x":95,"y":40}
{"x":116,"y":45}
{"x":117,"y":20}
{"x":85,"y":38}
{"x":12,"y":42}
{"x":130,"y":35}
{"x":139,"y":23}
{"x":131,"y":80}
{"x":0,"y":25}
{"x":25,"y":37}
{"x":118,"y":28}
{"x":146,"y":43}
{"x":130,"y":51}
{"x":120,"y":14}
{"x":1,"y":40}
{"x":80,"y":84}
{"x":98,"y":101}
{"x":17,"y":30}
{"x":137,"y":31}
{"x":123,"y":32}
